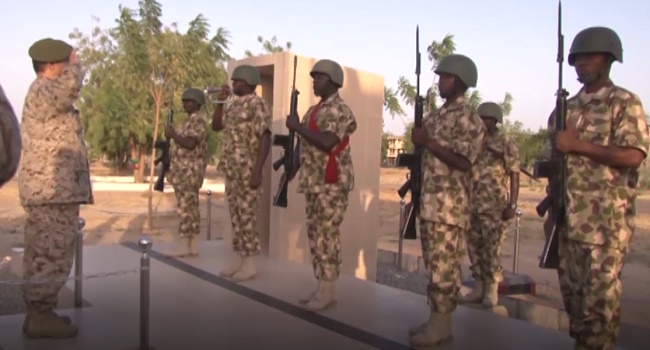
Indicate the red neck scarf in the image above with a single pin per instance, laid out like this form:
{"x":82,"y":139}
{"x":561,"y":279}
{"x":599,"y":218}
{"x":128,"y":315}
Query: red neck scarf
{"x":332,"y":170}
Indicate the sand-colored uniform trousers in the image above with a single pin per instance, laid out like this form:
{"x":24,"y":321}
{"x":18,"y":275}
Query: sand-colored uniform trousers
{"x":50,"y":232}
{"x":325,"y":213}
{"x":243,"y":203}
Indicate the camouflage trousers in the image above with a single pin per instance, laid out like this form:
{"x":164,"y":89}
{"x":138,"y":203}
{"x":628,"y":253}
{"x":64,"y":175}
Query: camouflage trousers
{"x":325,"y":213}
{"x":189,"y":214}
{"x":590,"y":281}
{"x":442,"y":251}
{"x":484,"y":240}
{"x":243,"y":203}
{"x":50,"y":232}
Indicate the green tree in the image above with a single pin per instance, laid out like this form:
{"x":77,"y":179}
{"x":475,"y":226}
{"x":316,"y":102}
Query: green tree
{"x":436,"y":52}
{"x":269,"y":46}
{"x":137,"y":69}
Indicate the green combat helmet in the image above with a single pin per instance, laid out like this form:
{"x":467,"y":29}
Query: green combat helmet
{"x":247,"y":73}
{"x":461,"y":66}
{"x":594,"y":40}
{"x":195,"y":95}
{"x":490,"y":109}
{"x":329,"y":68}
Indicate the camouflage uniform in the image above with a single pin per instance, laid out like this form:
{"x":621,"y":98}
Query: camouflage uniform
{"x":187,"y":167}
{"x":10,"y":142}
{"x":326,"y":180}
{"x":53,"y":180}
{"x":246,"y":119}
{"x":445,"y":208}
{"x":601,"y":202}
{"x":326,"y":201}
{"x":490,"y":195}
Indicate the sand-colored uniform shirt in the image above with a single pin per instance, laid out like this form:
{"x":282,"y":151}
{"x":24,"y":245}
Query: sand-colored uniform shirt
{"x":54,"y":166}
{"x":245,"y":120}
{"x":320,"y":171}
{"x":491,"y":174}
{"x":187,"y":168}
{"x":601,"y":205}
{"x":445,"y":190}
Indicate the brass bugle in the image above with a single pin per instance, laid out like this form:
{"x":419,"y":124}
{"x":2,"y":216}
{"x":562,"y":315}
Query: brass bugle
{"x":212,"y":91}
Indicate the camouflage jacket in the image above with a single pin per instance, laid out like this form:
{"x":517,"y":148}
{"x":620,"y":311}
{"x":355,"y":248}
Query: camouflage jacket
{"x":187,"y":168}
{"x":445,"y":190}
{"x":245,"y":121}
{"x":54,"y":166}
{"x":491,"y":174}
{"x":335,"y":116}
{"x":601,"y":198}
{"x":10,"y":142}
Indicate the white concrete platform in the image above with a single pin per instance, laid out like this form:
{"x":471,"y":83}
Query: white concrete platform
{"x":193,"y":308}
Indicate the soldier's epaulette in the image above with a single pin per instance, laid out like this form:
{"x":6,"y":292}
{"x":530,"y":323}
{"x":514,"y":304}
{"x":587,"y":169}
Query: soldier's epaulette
{"x":624,"y":94}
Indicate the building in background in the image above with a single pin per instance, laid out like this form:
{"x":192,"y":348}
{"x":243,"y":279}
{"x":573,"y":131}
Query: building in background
{"x":396,"y":145}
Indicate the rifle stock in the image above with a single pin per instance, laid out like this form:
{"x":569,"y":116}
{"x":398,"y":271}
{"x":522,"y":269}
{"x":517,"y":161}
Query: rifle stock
{"x":555,"y":169}
{"x":287,"y":143}
{"x":412,"y":161}
{"x":164,"y":146}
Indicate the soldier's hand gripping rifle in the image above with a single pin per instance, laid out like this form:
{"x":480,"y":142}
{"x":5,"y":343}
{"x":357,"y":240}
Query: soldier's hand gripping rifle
{"x":163,"y":145}
{"x":555,"y":170}
{"x":412,"y":161}
{"x":287,"y":143}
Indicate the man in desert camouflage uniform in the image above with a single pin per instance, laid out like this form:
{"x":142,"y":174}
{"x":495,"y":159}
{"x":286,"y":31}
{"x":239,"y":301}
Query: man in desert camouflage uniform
{"x":189,"y":158}
{"x":247,"y":141}
{"x":10,"y":142}
{"x":451,"y":137}
{"x":492,"y":206}
{"x":606,"y":141}
{"x":326,"y":177}
{"x":53,"y":181}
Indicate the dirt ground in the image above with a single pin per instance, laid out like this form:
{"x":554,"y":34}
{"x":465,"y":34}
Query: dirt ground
{"x":121,"y":216}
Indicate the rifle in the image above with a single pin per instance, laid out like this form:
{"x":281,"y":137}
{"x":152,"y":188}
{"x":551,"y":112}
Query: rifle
{"x":528,"y":173}
{"x":163,"y":145}
{"x":287,"y":144}
{"x":413,"y":160}
{"x":555,"y":170}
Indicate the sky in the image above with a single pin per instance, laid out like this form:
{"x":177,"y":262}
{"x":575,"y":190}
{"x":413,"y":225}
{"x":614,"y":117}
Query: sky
{"x":512,"y":42}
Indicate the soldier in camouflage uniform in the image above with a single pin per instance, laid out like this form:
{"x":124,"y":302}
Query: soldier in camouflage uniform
{"x":10,"y":142}
{"x":606,"y":141}
{"x":326,"y":178}
{"x":189,"y":158}
{"x":493,"y":206}
{"x":53,"y":181}
{"x":247,"y":142}
{"x":451,"y":137}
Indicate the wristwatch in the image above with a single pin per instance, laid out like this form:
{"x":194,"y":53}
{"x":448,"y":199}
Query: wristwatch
{"x":512,"y":206}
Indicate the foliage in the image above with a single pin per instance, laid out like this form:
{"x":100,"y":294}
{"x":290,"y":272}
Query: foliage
{"x":270,"y":46}
{"x":530,"y":142}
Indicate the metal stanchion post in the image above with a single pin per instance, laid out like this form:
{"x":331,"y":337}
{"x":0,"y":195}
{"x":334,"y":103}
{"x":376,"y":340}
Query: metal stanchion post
{"x":78,"y":264}
{"x":145,"y":245}
{"x":515,"y":258}
{"x":402,"y":208}
{"x":209,"y":214}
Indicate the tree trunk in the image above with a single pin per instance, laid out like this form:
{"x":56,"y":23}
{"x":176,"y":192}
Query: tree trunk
{"x":151,"y":166}
{"x":134,"y":155}
{"x":141,"y":163}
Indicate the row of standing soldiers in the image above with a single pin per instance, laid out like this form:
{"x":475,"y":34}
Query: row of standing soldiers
{"x":469,"y":194}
